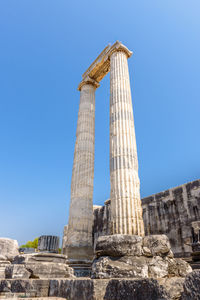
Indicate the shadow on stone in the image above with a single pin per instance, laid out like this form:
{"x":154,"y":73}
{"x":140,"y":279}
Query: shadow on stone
{"x":146,"y":289}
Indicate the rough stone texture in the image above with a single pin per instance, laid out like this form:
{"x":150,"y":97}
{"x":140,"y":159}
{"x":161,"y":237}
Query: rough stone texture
{"x":173,"y":286}
{"x":3,"y":265}
{"x":157,"y":244}
{"x":41,"y":298}
{"x":101,"y":223}
{"x":10,"y":288}
{"x":157,"y":267}
{"x":192,"y":286}
{"x":122,"y":267}
{"x":139,"y":267}
{"x":44,"y":270}
{"x":40,"y":257}
{"x":104,"y":289}
{"x":170,"y":212}
{"x":17,"y":272}
{"x":146,"y":289}
{"x":119,"y":245}
{"x":196,"y":241}
{"x":45,"y":265}
{"x":8,"y":248}
{"x":125,"y":256}
{"x":72,"y":289}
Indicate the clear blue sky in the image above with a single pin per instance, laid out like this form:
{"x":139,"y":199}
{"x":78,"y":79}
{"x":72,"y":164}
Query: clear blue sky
{"x":45,"y":46}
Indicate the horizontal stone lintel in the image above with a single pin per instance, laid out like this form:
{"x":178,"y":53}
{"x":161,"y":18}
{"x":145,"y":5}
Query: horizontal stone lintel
{"x":101,"y":65}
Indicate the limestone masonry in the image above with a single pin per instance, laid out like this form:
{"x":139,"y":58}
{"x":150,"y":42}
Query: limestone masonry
{"x":126,"y":209}
{"x":123,"y":250}
{"x":172,"y":212}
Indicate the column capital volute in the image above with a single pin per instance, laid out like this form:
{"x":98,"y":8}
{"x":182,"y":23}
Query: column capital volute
{"x":88,"y":80}
{"x":119,"y":47}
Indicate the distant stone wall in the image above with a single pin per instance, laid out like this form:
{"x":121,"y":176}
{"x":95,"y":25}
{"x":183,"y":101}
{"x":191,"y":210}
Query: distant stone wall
{"x":101,"y":225}
{"x":170,"y":212}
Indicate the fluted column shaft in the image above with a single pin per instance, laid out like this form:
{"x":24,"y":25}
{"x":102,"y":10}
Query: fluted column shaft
{"x":126,"y":210}
{"x":79,"y":236}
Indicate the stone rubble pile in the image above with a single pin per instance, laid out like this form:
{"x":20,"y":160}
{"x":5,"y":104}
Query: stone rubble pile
{"x":8,"y":250}
{"x":35,"y":265}
{"x":129,"y":256}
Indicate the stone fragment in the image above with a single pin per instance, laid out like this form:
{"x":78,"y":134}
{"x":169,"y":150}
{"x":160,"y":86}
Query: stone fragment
{"x":5,"y":286}
{"x":8,"y":248}
{"x":40,"y":257}
{"x":44,"y":270}
{"x":173,"y":286}
{"x":119,"y":245}
{"x":183,"y":267}
{"x":147,"y":252}
{"x":191,"y":286}
{"x":158,"y":267}
{"x":123,"y":267}
{"x":158,"y":244}
{"x":17,"y":272}
{"x":3,"y":265}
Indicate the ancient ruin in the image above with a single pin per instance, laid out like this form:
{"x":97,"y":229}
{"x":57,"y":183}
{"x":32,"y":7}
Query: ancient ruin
{"x":121,"y":250}
{"x":126,"y":210}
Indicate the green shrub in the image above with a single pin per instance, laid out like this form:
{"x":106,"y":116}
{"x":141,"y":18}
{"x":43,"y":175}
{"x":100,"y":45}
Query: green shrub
{"x":29,"y":244}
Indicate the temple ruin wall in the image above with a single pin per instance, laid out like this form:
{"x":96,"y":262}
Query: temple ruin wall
{"x":170,"y":212}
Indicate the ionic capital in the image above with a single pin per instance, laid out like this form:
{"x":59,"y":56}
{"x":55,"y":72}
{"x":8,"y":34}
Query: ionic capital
{"x":117,"y":46}
{"x":88,"y":80}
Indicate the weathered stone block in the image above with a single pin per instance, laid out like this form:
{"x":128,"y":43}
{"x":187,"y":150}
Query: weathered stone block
{"x":150,"y":256}
{"x":17,"y":272}
{"x":191,"y":286}
{"x":173,"y":286}
{"x":158,"y":267}
{"x":158,"y":244}
{"x":40,"y":257}
{"x":119,"y":245}
{"x":3,"y":265}
{"x":8,"y":248}
{"x":44,"y":270}
{"x":142,"y":289}
{"x":123,"y":267}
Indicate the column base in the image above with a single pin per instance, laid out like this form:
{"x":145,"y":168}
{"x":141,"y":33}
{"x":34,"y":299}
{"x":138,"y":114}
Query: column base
{"x":81,"y":269}
{"x":80,"y":259}
{"x":131,"y":256}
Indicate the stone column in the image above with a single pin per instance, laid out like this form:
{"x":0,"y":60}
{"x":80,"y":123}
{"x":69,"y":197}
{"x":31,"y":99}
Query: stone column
{"x":126,"y":209}
{"x":79,"y":236}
